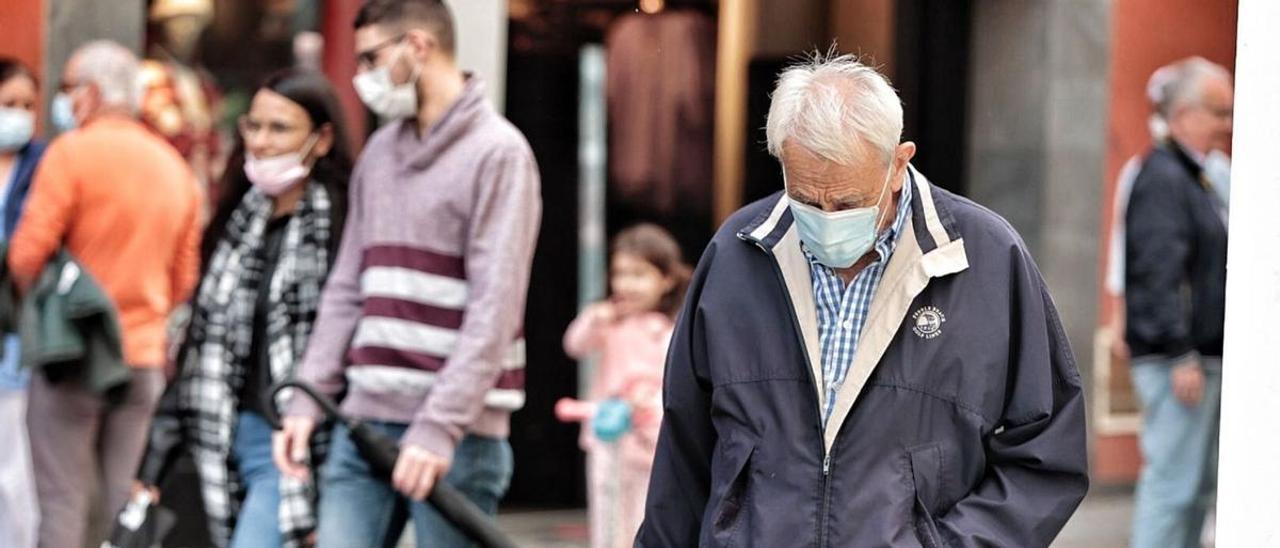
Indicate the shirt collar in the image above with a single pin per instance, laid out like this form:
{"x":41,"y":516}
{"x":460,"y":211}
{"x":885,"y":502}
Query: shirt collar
{"x":1192,"y":153}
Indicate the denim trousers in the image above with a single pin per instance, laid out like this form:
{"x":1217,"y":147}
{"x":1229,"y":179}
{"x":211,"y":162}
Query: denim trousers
{"x":1179,"y":450}
{"x":258,"y":524}
{"x":357,"y":508}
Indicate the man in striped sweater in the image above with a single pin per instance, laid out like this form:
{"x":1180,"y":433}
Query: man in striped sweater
{"x":420,"y":323}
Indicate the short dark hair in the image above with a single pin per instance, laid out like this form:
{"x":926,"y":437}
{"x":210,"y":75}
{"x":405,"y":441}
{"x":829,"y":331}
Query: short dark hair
{"x":433,"y":15}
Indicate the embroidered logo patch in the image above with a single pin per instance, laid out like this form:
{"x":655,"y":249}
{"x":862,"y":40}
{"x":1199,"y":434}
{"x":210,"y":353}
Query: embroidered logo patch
{"x":928,"y":322}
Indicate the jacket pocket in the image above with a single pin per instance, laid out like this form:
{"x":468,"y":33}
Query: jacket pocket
{"x":925,"y":464}
{"x":735,"y":459}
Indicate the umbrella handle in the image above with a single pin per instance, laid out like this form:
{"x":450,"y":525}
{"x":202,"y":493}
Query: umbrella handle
{"x":381,"y":452}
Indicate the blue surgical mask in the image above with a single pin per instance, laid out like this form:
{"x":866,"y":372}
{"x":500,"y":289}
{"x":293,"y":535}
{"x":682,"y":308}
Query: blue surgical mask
{"x":16,"y":127}
{"x":62,"y":114}
{"x":838,"y":239}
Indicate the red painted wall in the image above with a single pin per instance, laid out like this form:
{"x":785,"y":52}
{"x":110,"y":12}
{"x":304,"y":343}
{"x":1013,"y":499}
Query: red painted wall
{"x":22,"y":33}
{"x":340,"y":62}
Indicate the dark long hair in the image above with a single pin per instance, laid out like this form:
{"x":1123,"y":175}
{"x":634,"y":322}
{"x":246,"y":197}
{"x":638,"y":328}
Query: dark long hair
{"x":11,"y":67}
{"x":313,"y":92}
{"x":657,"y":247}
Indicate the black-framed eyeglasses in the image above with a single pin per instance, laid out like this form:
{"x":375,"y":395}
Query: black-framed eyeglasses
{"x":367,"y":58}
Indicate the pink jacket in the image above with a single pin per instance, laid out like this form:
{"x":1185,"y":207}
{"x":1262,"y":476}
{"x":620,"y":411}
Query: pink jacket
{"x":632,"y":352}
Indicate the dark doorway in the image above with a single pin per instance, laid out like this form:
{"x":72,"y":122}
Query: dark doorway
{"x":933,"y":79}
{"x":542,"y":101}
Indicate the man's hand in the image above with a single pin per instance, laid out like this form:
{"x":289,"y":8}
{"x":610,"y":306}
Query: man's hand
{"x":417,"y":471}
{"x":289,"y":446}
{"x":1188,"y":381}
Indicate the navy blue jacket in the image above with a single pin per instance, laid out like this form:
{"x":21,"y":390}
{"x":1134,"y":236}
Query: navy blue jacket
{"x":24,"y":173}
{"x":961,"y":422}
{"x":1175,"y":259}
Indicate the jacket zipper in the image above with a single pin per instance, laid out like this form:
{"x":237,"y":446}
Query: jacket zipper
{"x":826,"y":499}
{"x":822,"y":447}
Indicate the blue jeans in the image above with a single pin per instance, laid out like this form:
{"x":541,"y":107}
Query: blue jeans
{"x":360,"y":509}
{"x":1179,"y":448}
{"x":258,"y":525}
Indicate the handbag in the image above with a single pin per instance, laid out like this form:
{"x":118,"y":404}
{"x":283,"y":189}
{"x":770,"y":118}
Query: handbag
{"x":143,"y":523}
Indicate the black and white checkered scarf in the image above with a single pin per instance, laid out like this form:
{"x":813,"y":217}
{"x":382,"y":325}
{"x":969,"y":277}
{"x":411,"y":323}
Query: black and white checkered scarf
{"x":221,"y":335}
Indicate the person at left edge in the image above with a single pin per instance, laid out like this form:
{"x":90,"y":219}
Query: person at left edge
{"x":20,"y":153}
{"x":123,"y":203}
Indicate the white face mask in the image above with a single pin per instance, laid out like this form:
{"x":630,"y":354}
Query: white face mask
{"x":62,"y":113}
{"x":1217,"y":169}
{"x":384,"y":97}
{"x":276,"y":175}
{"x":838,"y":239}
{"x":16,"y":127}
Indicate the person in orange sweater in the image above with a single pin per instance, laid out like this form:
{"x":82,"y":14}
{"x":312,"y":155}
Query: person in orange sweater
{"x":126,"y":206}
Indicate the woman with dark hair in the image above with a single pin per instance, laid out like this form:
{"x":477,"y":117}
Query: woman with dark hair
{"x":19,"y":154}
{"x":267,"y":253}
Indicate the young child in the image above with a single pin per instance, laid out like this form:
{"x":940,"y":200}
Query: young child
{"x":629,"y":333}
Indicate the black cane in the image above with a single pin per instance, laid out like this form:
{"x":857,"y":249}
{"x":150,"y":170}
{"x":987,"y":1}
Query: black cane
{"x":381,"y":453}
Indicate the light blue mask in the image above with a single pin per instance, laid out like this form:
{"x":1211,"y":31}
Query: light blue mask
{"x":16,"y":127}
{"x":838,"y":239}
{"x":1217,"y":169}
{"x":61,"y":114}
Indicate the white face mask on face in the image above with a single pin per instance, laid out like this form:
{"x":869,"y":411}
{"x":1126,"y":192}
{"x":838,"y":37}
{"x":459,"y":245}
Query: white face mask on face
{"x":384,"y":97}
{"x":62,"y":113}
{"x":16,"y":127}
{"x":838,"y":239}
{"x":276,"y":175}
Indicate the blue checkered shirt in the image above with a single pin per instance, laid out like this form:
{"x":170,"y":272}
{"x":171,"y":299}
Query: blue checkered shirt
{"x":842,"y":311}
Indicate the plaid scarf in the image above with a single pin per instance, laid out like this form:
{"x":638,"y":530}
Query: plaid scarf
{"x":219,"y":343}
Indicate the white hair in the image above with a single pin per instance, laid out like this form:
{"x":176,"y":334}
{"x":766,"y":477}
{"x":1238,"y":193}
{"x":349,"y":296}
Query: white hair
{"x":835,"y":107}
{"x":113,"y":69}
{"x":1179,"y":84}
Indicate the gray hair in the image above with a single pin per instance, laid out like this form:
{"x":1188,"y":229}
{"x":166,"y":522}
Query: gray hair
{"x":113,"y":69}
{"x":835,"y":107}
{"x":1177,"y":85}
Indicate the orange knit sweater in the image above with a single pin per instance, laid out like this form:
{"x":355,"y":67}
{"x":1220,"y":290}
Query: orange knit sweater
{"x":126,"y":206}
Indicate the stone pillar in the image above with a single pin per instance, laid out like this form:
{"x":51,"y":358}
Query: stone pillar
{"x":1037,"y":140}
{"x":482,"y":43}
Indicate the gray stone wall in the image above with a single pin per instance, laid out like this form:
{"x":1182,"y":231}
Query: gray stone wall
{"x":1038,"y":110}
{"x":72,"y":23}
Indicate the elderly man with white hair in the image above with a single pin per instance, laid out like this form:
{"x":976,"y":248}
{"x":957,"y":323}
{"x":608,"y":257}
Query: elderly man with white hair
{"x":124,"y":204}
{"x":1175,"y":273}
{"x":864,"y":359}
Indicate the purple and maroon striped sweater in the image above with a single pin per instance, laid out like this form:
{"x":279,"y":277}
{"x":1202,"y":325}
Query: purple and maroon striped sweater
{"x":421,"y":320}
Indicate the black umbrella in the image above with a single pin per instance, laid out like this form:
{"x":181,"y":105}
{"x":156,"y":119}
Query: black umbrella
{"x":381,"y":453}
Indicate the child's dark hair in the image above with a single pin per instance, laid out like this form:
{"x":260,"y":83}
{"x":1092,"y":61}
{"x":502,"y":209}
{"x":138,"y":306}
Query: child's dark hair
{"x":657,"y":247}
